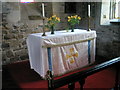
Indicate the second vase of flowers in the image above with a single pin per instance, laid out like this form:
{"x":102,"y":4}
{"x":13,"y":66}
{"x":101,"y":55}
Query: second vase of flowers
{"x":72,"y":20}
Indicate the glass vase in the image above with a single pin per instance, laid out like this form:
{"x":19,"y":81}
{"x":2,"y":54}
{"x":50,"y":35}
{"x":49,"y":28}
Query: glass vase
{"x":72,"y":28}
{"x":52,"y":29}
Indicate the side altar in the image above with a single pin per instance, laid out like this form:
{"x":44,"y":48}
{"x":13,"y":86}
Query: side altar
{"x":61,"y":52}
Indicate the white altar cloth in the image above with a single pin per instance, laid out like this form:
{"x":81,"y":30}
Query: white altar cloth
{"x":64,"y":58}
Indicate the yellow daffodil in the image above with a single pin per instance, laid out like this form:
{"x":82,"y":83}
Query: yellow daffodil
{"x":68,"y":17}
{"x":71,"y":16}
{"x":79,"y":18}
{"x":52,"y":21}
{"x":58,"y":19}
{"x":73,"y":20}
{"x":74,"y":17}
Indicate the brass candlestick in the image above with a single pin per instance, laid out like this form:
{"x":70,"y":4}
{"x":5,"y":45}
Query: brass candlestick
{"x":44,"y":27}
{"x":89,"y":24}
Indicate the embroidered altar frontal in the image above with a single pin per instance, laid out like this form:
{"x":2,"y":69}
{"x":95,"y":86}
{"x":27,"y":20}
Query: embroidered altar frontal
{"x":61,"y":52}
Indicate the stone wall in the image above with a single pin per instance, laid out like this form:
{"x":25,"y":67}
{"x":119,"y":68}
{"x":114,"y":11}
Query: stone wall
{"x":14,"y":35}
{"x":14,"y":43}
{"x":15,"y":32}
{"x":108,"y":41}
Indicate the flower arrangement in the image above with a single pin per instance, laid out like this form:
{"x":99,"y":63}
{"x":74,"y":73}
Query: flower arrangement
{"x":52,"y":21}
{"x":72,"y":20}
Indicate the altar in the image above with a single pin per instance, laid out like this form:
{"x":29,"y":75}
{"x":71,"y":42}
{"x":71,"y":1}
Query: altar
{"x":61,"y":52}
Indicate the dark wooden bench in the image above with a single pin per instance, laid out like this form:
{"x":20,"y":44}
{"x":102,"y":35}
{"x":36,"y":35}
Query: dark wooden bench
{"x":82,"y":75}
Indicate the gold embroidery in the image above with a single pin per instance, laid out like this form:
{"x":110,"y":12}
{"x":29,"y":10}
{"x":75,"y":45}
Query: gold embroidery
{"x":67,"y":56}
{"x":71,"y":50}
{"x":72,"y":61}
{"x":75,"y":54}
{"x":72,"y":54}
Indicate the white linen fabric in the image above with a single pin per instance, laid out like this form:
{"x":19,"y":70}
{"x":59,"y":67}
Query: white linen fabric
{"x":64,"y":58}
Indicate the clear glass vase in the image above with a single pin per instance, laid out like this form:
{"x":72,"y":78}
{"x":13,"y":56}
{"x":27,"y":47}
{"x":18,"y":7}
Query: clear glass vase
{"x":72,"y":28}
{"x":52,"y":29}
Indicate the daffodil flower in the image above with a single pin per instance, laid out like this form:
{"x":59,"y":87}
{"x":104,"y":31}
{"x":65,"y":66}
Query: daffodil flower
{"x":53,"y":20}
{"x":74,"y":20}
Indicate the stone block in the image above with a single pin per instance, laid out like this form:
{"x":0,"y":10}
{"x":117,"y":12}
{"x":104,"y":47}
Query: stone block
{"x":14,"y":43}
{"x":20,"y":52}
{"x":9,"y":36}
{"x":4,"y":55}
{"x":23,"y":30}
{"x":20,"y":36}
{"x":5,"y":45}
{"x":4,"y":31}
{"x":9,"y":53}
{"x":24,"y":42}
{"x":24,"y":57}
{"x":14,"y":59}
{"x":15,"y":31}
